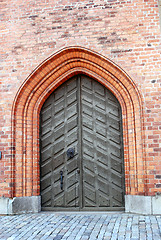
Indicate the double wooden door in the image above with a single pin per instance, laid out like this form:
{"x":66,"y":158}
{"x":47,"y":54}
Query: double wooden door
{"x":81,"y":148}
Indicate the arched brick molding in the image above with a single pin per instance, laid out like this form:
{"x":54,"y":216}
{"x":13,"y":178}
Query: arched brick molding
{"x":39,"y":85}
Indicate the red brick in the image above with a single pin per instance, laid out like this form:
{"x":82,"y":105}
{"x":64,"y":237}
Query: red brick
{"x":127,"y":33}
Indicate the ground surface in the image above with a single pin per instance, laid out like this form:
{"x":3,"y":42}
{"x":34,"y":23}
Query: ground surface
{"x":83,"y":226}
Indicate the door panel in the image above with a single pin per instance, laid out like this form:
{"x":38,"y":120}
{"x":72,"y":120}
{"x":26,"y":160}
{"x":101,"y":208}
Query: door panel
{"x":63,"y":134}
{"x":84,"y":115}
{"x":103,"y":137}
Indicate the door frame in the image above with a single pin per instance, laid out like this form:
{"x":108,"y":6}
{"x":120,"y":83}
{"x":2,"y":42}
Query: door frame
{"x":35,"y":90}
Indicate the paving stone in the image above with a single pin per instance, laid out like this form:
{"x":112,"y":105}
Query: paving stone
{"x":82,"y":226}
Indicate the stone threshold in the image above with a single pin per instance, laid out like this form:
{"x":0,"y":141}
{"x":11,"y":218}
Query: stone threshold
{"x":146,"y":205}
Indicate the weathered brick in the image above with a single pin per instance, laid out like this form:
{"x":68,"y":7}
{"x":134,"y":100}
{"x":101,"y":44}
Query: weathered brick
{"x":126,"y":32}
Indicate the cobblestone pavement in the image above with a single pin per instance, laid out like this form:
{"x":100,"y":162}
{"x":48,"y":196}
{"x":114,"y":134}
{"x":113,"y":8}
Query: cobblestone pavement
{"x":83,"y":226}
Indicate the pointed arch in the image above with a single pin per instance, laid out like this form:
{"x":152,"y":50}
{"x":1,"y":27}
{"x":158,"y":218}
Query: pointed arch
{"x":41,"y":83}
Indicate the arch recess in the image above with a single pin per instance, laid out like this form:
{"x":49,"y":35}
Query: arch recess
{"x":41,"y":83}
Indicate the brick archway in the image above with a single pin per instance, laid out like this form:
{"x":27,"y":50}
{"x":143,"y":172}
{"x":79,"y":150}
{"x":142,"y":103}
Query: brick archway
{"x":39,"y":85}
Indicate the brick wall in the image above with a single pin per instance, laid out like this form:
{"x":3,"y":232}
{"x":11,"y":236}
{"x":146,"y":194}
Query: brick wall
{"x":127,"y":32}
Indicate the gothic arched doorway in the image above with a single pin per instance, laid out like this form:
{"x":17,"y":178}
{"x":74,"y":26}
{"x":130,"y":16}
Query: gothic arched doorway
{"x":36,"y":89}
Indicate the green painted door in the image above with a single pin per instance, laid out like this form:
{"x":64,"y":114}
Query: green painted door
{"x":83,"y":118}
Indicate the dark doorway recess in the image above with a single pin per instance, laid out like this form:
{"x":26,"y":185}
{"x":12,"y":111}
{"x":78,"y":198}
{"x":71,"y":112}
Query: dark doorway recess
{"x":81,"y":148}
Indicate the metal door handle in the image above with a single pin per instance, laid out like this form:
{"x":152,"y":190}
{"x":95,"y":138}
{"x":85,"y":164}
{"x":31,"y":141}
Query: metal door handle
{"x":61,"y":180}
{"x":70,"y":153}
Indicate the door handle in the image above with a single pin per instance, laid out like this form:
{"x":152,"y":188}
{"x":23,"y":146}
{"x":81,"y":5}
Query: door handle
{"x":61,"y":180}
{"x":70,"y":153}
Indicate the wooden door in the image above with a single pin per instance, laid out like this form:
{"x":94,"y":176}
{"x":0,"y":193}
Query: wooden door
{"x":84,"y":118}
